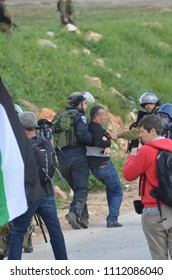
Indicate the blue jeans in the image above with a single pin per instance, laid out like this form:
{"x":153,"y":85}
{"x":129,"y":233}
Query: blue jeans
{"x":108,"y":176}
{"x":46,"y":208}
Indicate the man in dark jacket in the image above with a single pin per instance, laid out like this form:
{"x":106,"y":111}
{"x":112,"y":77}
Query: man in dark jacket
{"x":45,"y":206}
{"x":76,"y":163}
{"x":102,"y":167}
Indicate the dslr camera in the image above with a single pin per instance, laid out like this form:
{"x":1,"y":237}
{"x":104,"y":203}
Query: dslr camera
{"x":44,"y":129}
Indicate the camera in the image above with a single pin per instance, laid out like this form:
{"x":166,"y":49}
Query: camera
{"x":44,"y":129}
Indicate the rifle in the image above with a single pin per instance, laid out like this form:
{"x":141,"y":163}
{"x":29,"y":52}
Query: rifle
{"x":60,"y":175}
{"x":40,"y":224}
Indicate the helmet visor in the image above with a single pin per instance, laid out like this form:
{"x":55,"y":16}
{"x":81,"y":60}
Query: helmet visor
{"x":88,"y":97}
{"x":17,"y":108}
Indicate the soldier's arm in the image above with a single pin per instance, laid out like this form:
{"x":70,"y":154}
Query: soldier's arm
{"x":131,"y":134}
{"x":82,"y":129}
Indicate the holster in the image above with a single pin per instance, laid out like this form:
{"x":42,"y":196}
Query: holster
{"x":138,"y":206}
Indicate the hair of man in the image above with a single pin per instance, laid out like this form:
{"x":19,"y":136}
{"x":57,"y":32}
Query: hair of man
{"x":94,"y":112}
{"x":151,"y":121}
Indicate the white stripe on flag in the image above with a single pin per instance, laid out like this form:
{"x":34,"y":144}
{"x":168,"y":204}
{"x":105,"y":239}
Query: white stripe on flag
{"x":12,"y":168}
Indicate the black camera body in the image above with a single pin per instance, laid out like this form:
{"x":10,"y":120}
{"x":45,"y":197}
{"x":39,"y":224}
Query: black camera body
{"x":44,"y":129}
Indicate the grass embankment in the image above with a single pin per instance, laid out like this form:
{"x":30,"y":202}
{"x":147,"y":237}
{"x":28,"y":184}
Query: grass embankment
{"x":136,"y":43}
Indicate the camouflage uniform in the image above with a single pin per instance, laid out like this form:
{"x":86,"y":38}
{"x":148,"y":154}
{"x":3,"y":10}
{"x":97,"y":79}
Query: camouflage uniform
{"x":4,"y":239}
{"x":131,"y":134}
{"x":4,"y":234}
{"x":65,"y":8}
{"x":5,"y":18}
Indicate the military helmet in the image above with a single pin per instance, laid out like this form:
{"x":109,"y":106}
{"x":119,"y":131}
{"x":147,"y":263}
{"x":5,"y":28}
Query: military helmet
{"x":149,"y":97}
{"x":166,"y":109}
{"x":76,"y":99}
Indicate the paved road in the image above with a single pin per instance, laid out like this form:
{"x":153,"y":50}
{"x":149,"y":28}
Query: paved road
{"x":101,"y":243}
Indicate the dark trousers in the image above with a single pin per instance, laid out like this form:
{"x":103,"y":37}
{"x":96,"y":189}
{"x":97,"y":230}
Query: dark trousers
{"x":77,"y":178}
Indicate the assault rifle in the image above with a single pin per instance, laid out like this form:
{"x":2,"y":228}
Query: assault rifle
{"x":40,"y":224}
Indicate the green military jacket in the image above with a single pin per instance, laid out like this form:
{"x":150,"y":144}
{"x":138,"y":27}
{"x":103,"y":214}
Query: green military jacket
{"x":131,"y":134}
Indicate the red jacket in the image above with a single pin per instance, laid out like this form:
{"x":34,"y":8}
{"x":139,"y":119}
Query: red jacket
{"x":145,"y":162}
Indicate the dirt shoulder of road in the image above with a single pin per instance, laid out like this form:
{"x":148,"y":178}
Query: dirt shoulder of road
{"x":98,"y":208}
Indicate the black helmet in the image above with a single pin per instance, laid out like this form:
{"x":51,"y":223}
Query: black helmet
{"x":76,"y":99}
{"x":166,"y":109}
{"x":149,"y":97}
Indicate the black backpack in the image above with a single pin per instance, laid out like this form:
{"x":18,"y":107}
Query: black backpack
{"x":163,"y":192}
{"x":45,"y":156}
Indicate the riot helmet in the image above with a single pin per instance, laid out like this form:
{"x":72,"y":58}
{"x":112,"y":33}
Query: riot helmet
{"x":166,"y":109}
{"x":149,"y":97}
{"x":76,"y":99}
{"x":165,"y":113}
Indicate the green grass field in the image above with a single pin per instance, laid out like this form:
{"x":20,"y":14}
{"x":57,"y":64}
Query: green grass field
{"x":46,"y":76}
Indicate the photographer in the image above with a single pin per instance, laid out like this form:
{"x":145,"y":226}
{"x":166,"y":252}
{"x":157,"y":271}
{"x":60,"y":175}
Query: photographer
{"x":143,"y":163}
{"x":45,"y":206}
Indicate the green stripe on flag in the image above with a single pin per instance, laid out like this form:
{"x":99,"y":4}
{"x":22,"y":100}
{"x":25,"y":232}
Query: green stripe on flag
{"x":4,"y":216}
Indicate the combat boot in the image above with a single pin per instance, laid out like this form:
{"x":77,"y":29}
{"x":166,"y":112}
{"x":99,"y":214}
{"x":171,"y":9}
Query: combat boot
{"x":29,"y":248}
{"x":84,"y":217}
{"x":72,"y":219}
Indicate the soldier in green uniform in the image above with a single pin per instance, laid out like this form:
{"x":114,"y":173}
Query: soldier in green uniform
{"x":4,"y":234}
{"x":150,"y":103}
{"x":65,"y":8}
{"x":5,"y":238}
{"x":6,"y":19}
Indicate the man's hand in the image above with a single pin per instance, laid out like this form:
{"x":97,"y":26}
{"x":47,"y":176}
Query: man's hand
{"x":107,"y":150}
{"x":66,"y":20}
{"x":133,"y":151}
{"x":113,"y":136}
{"x":104,"y":138}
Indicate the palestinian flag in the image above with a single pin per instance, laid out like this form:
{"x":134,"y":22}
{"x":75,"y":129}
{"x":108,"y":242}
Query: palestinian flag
{"x":18,"y":173}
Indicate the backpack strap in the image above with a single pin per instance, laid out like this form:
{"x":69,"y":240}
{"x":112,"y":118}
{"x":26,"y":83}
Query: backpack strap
{"x":142,"y":177}
{"x":153,"y":194}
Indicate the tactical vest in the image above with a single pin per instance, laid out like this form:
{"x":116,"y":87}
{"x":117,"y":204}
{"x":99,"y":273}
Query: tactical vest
{"x":63,"y":129}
